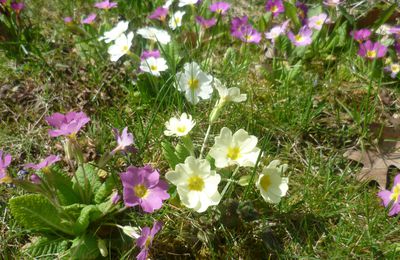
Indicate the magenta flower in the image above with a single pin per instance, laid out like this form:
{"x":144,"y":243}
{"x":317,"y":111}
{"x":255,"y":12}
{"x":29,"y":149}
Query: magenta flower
{"x":372,"y":50}
{"x":146,"y":239}
{"x":250,"y":35}
{"x":397,"y":47}
{"x":241,"y":29}
{"x":206,"y":23}
{"x":89,"y":20}
{"x":302,"y":10}
{"x":105,"y":5}
{"x":17,"y":7}
{"x":391,"y":198}
{"x":115,"y":197}
{"x":5,"y":160}
{"x":395,"y":30}
{"x":3,"y":1}
{"x":124,"y":140}
{"x":361,"y":35}
{"x":332,"y":3}
{"x":151,"y":53}
{"x":68,"y":124}
{"x":316,"y":21}
{"x":220,"y":7}
{"x":68,"y":19}
{"x":142,"y":186}
{"x":275,"y":7}
{"x":35,"y":179}
{"x":302,"y":38}
{"x":159,"y":14}
{"x":51,"y":159}
{"x":276,"y":31}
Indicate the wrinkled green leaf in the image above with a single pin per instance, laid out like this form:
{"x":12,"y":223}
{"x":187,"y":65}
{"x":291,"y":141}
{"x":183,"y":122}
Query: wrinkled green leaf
{"x":84,"y":247}
{"x":63,"y":185}
{"x":35,"y":212}
{"x":88,"y":214}
{"x":47,"y":247}
{"x":105,"y":190}
{"x":169,"y":154}
{"x":90,"y":187}
{"x":291,"y":13}
{"x":182,"y":153}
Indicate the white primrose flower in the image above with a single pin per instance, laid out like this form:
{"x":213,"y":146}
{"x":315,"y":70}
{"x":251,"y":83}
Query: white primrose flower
{"x":187,"y":2}
{"x":155,"y":35}
{"x":121,"y":46}
{"x":239,"y":148}
{"x":197,"y":184}
{"x":115,"y":32}
{"x":167,"y":4}
{"x":229,"y":94}
{"x":179,"y":126}
{"x":176,"y":20}
{"x":194,"y":83}
{"x":154,"y":65}
{"x":271,"y":184}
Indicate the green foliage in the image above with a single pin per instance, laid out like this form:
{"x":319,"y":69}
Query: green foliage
{"x":169,"y":154}
{"x":63,"y":185}
{"x":87,"y":182}
{"x":32,"y":211}
{"x":84,"y":247}
{"x":47,"y":247}
{"x":291,"y":13}
{"x":88,"y":214}
{"x":105,"y":190}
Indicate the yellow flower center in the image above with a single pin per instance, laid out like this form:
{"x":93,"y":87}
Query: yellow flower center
{"x":6,"y":179}
{"x":72,"y":136}
{"x":148,"y":241}
{"x":233,"y":153}
{"x":298,"y":38}
{"x":153,"y":67}
{"x":396,"y":192}
{"x":46,"y":170}
{"x":140,"y":191}
{"x":248,"y":37}
{"x":274,"y":9}
{"x":265,"y":182}
{"x":193,"y":83}
{"x":196,"y":183}
{"x":371,"y":54}
{"x":319,"y":22}
{"x":219,"y":10}
{"x":395,"y":68}
{"x":125,"y":48}
{"x":181,"y":129}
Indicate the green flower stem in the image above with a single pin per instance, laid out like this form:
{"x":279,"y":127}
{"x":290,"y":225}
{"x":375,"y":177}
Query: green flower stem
{"x":205,"y":140}
{"x":229,"y":181}
{"x":104,"y":159}
{"x":134,"y":56}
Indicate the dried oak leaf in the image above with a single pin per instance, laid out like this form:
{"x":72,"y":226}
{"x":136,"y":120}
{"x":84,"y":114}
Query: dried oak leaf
{"x":376,"y":163}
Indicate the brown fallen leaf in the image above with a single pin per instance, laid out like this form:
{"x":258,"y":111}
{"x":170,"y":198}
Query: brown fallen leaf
{"x":376,"y":162}
{"x":375,"y":165}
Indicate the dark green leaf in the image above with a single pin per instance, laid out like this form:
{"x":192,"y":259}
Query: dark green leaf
{"x":47,"y":247}
{"x":169,"y":154}
{"x":84,"y":247}
{"x":291,"y":13}
{"x":35,"y":212}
